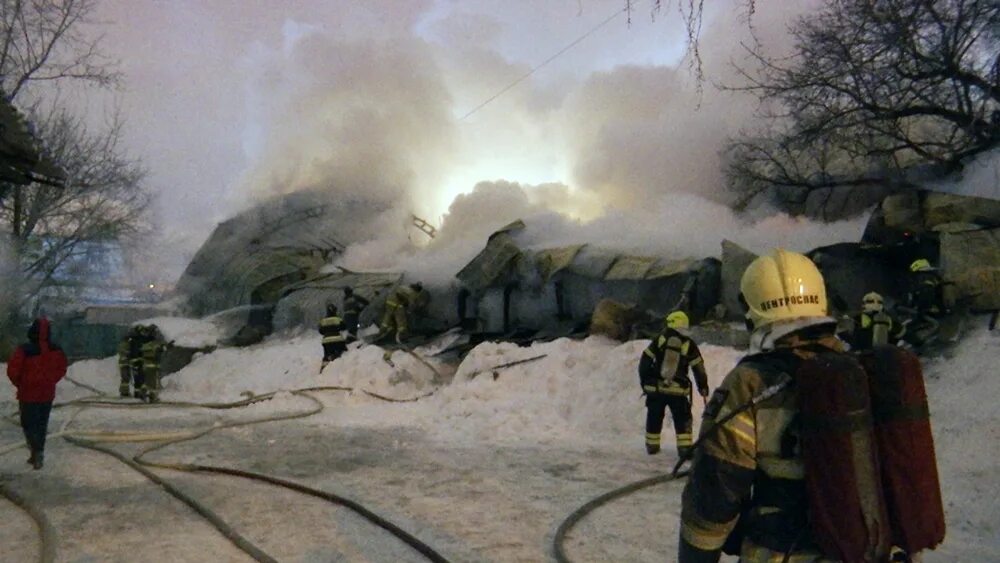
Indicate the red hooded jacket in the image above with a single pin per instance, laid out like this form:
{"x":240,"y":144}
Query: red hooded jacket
{"x":36,"y":367}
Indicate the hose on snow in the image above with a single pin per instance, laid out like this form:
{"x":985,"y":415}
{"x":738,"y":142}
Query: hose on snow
{"x":47,"y":534}
{"x":558,"y":548}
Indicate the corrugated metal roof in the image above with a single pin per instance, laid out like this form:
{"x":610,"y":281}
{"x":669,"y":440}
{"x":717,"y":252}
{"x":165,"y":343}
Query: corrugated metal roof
{"x":630,"y":267}
{"x":286,"y":238}
{"x":592,"y":262}
{"x":667,"y":268}
{"x":551,"y":260}
{"x":490,"y":264}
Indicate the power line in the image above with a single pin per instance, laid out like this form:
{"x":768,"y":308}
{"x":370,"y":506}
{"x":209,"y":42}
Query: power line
{"x":545,"y":62}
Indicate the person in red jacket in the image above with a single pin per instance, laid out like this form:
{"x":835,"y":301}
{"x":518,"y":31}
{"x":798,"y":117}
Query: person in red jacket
{"x":34,"y":369}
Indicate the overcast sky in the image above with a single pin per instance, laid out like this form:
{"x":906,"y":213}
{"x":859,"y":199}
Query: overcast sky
{"x":228,"y":101}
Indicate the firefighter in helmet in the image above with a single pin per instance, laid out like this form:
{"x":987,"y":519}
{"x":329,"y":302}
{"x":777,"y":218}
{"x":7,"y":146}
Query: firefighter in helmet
{"x":925,"y":303}
{"x":663,"y":373}
{"x":748,"y":467}
{"x":874,"y":326}
{"x":400,"y":308}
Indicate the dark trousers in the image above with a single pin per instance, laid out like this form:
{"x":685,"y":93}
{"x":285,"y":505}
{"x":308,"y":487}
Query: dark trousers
{"x":680,"y":410}
{"x":351,"y":324}
{"x":333,"y":350}
{"x":137,"y":375}
{"x":35,"y":423}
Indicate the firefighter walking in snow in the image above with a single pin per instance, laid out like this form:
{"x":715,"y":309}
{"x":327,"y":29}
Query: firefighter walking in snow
{"x":152,"y":355}
{"x":34,"y":369}
{"x":874,"y":326}
{"x":663,"y":373}
{"x":788,"y":448}
{"x":331,"y":328}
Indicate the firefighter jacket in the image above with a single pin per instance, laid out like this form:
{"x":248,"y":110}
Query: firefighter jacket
{"x":330,"y":328}
{"x":926,"y":293}
{"x":152,"y":353}
{"x":871,"y":329}
{"x":36,"y":366}
{"x":353,"y":306}
{"x":407,"y":298}
{"x":749,"y":470}
{"x":135,"y":343}
{"x":123,"y":352}
{"x":664,"y":365}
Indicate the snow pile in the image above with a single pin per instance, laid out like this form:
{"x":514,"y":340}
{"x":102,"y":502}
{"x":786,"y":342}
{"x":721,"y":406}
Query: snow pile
{"x":581,"y":392}
{"x":400,"y":375}
{"x":227,"y":372}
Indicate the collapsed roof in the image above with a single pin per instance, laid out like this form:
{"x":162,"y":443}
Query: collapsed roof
{"x":503,"y":257}
{"x":251,"y":258}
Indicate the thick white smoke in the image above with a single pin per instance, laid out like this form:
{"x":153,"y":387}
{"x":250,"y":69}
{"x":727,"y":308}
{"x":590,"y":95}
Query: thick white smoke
{"x":614,"y":143}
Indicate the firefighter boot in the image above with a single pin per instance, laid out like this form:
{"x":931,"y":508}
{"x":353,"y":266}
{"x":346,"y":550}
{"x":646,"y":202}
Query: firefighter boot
{"x":652,"y":449}
{"x":124,"y":391}
{"x":39,"y":459}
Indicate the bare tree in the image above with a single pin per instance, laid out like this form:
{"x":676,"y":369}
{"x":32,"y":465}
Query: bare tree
{"x":879,"y":95}
{"x":43,"y":41}
{"x":56,"y":233}
{"x":58,"y":230}
{"x":691,"y":13}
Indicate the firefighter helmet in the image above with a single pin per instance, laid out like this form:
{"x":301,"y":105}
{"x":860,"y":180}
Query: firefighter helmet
{"x":921,"y":265}
{"x":782,"y":286}
{"x":872,"y":303}
{"x":676,"y":319}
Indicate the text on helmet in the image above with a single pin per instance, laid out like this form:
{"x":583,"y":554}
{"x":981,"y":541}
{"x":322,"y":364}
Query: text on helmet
{"x":789,"y":300}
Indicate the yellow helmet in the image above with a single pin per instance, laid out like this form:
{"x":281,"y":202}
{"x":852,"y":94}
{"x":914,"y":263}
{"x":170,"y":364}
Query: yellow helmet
{"x":872,"y":303}
{"x":677,"y":319}
{"x":782,"y":286}
{"x":921,"y":265}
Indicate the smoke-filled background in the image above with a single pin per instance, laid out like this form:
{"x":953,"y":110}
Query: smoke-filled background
{"x":614,"y":142}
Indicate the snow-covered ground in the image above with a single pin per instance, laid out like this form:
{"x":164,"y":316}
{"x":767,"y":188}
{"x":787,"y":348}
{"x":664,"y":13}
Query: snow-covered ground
{"x":483,"y":469}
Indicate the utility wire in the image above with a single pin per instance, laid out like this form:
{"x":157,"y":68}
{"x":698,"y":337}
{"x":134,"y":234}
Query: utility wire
{"x":545,"y":62}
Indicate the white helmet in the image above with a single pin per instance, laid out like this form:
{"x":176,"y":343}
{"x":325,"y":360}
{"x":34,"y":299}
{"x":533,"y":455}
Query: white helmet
{"x":783,"y":286}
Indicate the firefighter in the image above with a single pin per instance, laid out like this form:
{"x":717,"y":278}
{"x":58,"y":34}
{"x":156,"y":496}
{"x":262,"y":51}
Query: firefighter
{"x":663,"y":372}
{"x":924,"y":302}
{"x":152,"y":354}
{"x":135,"y":342}
{"x":353,"y":306}
{"x":331,"y":327}
{"x":755,"y":450}
{"x":400,"y":306}
{"x":124,"y":369}
{"x":874,"y":326}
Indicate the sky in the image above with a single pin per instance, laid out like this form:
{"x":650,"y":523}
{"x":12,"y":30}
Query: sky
{"x":229,"y":102}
